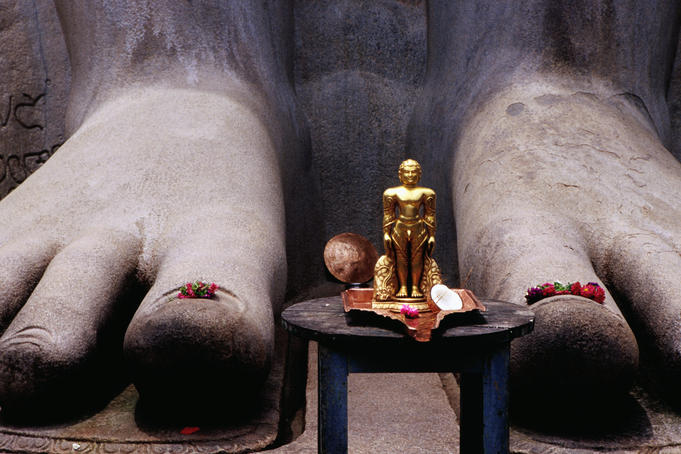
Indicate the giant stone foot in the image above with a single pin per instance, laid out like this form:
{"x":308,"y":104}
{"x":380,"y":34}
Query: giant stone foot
{"x":127,"y":226}
{"x":559,"y":173}
{"x":171,"y":174}
{"x":550,"y":177}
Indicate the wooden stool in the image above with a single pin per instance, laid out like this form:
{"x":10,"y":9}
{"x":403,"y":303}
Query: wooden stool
{"x":476,"y":344}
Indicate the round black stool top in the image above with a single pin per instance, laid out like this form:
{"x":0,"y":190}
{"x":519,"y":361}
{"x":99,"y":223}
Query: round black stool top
{"x":324,"y":320}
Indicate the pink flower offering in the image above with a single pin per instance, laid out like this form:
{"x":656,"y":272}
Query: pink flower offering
{"x":198,"y":289}
{"x":409,"y":311}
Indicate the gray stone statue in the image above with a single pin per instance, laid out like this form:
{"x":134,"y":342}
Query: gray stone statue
{"x":187,"y":157}
{"x":184,"y":140}
{"x":553,"y":134}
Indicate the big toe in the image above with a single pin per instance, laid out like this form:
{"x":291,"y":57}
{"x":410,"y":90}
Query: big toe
{"x":579,"y":350}
{"x":198,"y":353}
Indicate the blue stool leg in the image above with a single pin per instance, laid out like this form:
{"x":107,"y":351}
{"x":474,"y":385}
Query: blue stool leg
{"x":484,"y":405}
{"x":332,"y":387}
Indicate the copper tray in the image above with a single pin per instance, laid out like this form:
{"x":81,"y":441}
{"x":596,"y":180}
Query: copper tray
{"x":419,"y":328}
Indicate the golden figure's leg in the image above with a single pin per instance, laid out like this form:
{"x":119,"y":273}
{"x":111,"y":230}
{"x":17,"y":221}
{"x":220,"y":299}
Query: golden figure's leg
{"x":400,"y":242}
{"x":418,"y":251}
{"x":402,"y":266}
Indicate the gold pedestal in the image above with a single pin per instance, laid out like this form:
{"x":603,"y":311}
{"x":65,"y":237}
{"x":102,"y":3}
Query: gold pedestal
{"x":395,"y":304}
{"x":420,"y":328}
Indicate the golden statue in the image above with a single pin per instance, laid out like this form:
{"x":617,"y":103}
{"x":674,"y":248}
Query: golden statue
{"x":407,"y":271}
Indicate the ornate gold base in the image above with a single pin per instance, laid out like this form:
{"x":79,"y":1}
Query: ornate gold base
{"x":395,"y":305}
{"x":419,"y":328}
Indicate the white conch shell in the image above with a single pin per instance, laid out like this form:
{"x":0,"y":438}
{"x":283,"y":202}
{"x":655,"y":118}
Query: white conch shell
{"x":446,"y":299}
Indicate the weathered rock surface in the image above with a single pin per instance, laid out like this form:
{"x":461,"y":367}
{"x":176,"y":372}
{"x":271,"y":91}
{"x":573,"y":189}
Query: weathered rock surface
{"x":358,"y":70}
{"x":34,"y":82}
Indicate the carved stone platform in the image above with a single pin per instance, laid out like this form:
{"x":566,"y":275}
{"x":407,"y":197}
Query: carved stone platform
{"x":118,"y":428}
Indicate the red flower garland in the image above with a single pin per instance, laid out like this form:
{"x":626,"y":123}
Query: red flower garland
{"x":197,"y":289}
{"x":591,"y":290}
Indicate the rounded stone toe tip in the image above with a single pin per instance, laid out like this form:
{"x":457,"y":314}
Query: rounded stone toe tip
{"x":198,"y":353}
{"x":51,"y":384}
{"x":579,"y":350}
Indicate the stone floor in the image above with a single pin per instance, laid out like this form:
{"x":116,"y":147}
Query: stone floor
{"x":411,"y":413}
{"x":405,"y":413}
{"x":388,"y":413}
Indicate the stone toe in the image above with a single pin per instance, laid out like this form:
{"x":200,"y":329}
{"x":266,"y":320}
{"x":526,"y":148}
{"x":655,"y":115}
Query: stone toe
{"x":198,"y":354}
{"x":579,"y":351}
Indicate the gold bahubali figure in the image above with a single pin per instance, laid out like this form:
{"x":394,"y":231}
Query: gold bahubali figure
{"x":407,"y":271}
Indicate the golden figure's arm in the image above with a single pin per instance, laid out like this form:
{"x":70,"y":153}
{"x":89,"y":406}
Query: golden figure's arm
{"x":429,"y":219}
{"x":389,"y":219}
{"x":429,"y":212}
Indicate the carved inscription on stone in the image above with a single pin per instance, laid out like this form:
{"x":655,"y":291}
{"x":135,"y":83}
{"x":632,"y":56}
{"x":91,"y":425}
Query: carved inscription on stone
{"x":20,"y":116}
{"x":34,"y":80}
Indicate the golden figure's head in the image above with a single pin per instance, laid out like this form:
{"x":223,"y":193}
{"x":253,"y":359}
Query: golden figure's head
{"x":410,"y":172}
